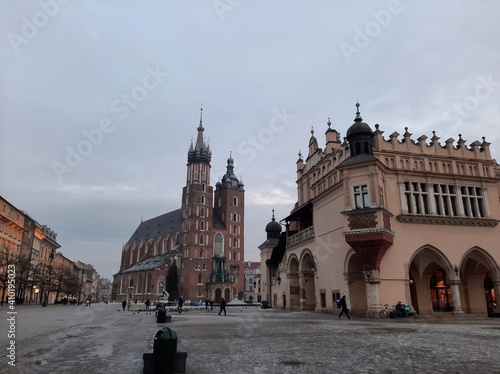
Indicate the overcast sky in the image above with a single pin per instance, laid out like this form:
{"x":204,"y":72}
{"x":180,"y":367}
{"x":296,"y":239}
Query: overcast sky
{"x":99,"y":100}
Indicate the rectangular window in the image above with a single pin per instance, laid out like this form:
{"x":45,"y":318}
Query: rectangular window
{"x":323,"y":300}
{"x":445,"y":198}
{"x":417,"y":198}
{"x":361,"y":199}
{"x":473,"y":201}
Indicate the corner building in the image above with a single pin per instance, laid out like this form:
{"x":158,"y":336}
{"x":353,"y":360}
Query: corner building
{"x":388,"y":220}
{"x":205,"y":239}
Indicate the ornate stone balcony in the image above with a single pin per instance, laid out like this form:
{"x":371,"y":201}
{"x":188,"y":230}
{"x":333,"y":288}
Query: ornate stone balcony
{"x":306,"y":234}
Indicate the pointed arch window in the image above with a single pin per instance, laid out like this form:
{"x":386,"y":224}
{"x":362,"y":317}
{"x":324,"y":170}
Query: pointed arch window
{"x":218,"y":243}
{"x":202,"y":225}
{"x":203,"y":199}
{"x":149,"y":283}
{"x":202,"y":212}
{"x":235,"y":201}
{"x":202,"y":239}
{"x":203,"y":187}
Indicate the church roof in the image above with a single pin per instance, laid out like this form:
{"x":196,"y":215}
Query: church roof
{"x":217,"y":222}
{"x":158,"y":226}
{"x":153,"y":263}
{"x":357,"y":160}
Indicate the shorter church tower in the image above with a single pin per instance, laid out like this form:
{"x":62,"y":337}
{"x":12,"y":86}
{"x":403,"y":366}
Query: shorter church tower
{"x":227,"y":278}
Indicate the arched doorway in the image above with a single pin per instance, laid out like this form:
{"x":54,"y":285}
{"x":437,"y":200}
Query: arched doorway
{"x":308,"y":287}
{"x":428,"y":287}
{"x":357,"y":285}
{"x":218,"y":295}
{"x":478,"y":272}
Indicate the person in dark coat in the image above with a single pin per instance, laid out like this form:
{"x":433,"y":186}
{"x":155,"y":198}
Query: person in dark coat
{"x":211,"y":304}
{"x":343,"y":306}
{"x":222,"y":306}
{"x":181,"y":303}
{"x":491,"y":311}
{"x":206,"y":303}
{"x":124,"y":304}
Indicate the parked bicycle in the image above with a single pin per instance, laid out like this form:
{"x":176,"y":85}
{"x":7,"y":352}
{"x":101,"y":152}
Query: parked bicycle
{"x":389,"y":312}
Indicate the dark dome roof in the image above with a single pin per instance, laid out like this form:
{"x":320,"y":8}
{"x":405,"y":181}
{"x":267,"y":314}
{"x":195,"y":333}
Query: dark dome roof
{"x":358,"y":128}
{"x":273,"y":226}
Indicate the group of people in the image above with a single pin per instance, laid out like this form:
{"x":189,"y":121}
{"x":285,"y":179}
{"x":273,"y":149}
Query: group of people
{"x":127,"y":304}
{"x":207,"y":303}
{"x":211,"y":304}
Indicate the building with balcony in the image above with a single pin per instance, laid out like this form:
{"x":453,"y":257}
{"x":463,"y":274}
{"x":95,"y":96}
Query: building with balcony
{"x":388,"y":220}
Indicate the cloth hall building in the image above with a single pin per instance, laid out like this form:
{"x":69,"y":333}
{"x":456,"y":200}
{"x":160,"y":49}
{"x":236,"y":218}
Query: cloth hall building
{"x":204,"y":238}
{"x":388,"y":220}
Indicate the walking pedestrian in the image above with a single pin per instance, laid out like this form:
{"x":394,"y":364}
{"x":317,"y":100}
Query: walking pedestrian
{"x":343,"y":305}
{"x":206,"y":303}
{"x":129,"y":304}
{"x":124,"y":304}
{"x":181,"y":303}
{"x":147,"y":303}
{"x":211,"y":304}
{"x":222,"y":306}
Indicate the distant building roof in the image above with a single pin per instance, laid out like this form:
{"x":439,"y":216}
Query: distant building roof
{"x":251,"y":265}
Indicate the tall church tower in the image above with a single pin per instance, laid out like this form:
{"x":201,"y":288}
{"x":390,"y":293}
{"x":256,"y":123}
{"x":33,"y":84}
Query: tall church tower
{"x":196,"y":220}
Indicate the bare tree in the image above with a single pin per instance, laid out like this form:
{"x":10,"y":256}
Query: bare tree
{"x":6,"y":259}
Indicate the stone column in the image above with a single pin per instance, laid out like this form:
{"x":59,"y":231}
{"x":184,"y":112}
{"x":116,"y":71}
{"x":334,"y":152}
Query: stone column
{"x":372,"y":293}
{"x":303,"y":291}
{"x":455,"y":294}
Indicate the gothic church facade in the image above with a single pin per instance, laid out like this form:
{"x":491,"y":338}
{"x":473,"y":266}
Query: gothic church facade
{"x":204,"y":238}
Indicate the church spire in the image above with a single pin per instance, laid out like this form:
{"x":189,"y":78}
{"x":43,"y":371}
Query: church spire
{"x":358,"y":115}
{"x":200,"y":144}
{"x":201,"y":151}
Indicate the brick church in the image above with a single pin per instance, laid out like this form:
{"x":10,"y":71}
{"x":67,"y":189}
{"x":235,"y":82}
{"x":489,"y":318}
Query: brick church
{"x":204,"y":238}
